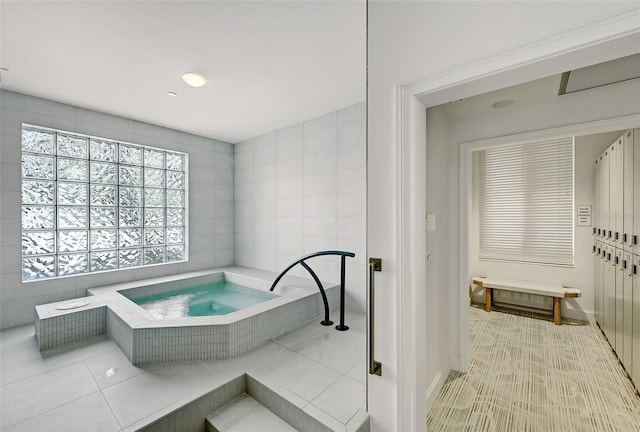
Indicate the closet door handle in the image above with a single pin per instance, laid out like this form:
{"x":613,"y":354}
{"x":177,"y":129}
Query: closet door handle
{"x":375,"y":264}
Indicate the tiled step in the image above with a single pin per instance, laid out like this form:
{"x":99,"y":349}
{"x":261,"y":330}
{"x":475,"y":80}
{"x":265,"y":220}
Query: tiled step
{"x":244,"y":404}
{"x":245,"y":414}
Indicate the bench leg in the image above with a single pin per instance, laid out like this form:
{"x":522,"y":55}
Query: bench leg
{"x":488,"y":294}
{"x":557,"y":319}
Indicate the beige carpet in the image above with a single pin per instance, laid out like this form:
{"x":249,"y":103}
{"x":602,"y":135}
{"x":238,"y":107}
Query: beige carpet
{"x":527,"y":374}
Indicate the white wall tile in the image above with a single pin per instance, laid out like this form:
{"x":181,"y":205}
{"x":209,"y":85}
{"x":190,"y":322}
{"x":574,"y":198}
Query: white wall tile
{"x":264,"y":173}
{"x":292,"y":246}
{"x":290,"y":226}
{"x":354,"y":113}
{"x":265,"y":261}
{"x":321,"y":227}
{"x":244,"y":242}
{"x":223,"y":176}
{"x":10,"y":176}
{"x":352,"y":204}
{"x":266,"y":190}
{"x":224,"y":258}
{"x":352,"y":156}
{"x":244,"y":209}
{"x":223,"y":225}
{"x":322,"y":162}
{"x":352,"y":228}
{"x":289,"y":188}
{"x":242,"y":159}
{"x":289,"y":169}
{"x":244,"y":257}
{"x":328,"y":121}
{"x":224,"y":241}
{"x":21,"y":102}
{"x":202,"y":174}
{"x":9,"y":260}
{"x":321,"y":205}
{"x":320,"y":141}
{"x":351,"y":134}
{"x":223,"y":159}
{"x":223,"y":209}
{"x":264,"y":225}
{"x":243,"y":225}
{"x":10,"y":230}
{"x":243,"y":176}
{"x":104,"y":120}
{"x":286,"y":193}
{"x":265,"y":208}
{"x":321,"y":184}
{"x":13,"y":121}
{"x":293,"y":206}
{"x":244,"y":192}
{"x":264,"y":150}
{"x":223,"y":193}
{"x":10,"y":206}
{"x":290,"y":149}
{"x":290,"y":133}
{"x":352,"y":180}
{"x":312,"y":244}
{"x":10,"y":151}
{"x":265,"y":243}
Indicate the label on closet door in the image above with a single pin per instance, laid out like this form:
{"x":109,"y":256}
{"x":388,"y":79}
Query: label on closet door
{"x":583,"y":214}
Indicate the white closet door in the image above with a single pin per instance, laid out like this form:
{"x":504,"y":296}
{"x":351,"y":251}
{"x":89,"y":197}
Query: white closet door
{"x":627,"y":326}
{"x":609,"y":281}
{"x":604,"y":194}
{"x":614,"y":190}
{"x":618,"y":173}
{"x":619,"y":312}
{"x":628,"y":190}
{"x":635,"y":278}
{"x":636,"y":190}
{"x":597,"y":284}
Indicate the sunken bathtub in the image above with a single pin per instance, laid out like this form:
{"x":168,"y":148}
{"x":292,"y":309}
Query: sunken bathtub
{"x":150,"y":332}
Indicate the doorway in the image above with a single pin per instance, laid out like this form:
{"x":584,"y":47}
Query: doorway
{"x":413,"y":132}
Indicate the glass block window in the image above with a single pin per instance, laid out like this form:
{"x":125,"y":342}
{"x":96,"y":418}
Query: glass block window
{"x":92,"y":204}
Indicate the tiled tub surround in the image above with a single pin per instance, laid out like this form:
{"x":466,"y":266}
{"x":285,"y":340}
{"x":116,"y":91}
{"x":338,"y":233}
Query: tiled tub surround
{"x":146,"y":339}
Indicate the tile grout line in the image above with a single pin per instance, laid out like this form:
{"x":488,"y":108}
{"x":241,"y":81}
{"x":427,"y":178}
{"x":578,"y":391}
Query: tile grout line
{"x":100,"y":389}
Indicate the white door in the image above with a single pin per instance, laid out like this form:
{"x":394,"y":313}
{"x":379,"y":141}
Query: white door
{"x":635,"y":281}
{"x":627,"y":312}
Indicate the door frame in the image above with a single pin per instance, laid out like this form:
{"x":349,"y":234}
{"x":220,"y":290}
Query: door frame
{"x":597,"y":42}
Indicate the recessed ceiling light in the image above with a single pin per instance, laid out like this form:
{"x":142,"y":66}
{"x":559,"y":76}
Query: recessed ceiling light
{"x":503,"y":103}
{"x":193,"y":79}
{"x":172,"y":94}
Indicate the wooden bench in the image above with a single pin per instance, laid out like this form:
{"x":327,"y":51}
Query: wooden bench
{"x":556,"y":291}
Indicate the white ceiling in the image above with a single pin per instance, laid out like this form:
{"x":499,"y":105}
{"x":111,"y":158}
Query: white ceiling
{"x":268,"y":64}
{"x":533,"y":92}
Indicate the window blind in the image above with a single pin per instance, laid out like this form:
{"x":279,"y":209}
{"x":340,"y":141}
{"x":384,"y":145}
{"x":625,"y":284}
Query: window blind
{"x":526,"y":202}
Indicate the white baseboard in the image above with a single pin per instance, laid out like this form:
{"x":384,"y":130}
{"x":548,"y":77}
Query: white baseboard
{"x":584,"y":315}
{"x":434,"y":388}
{"x":455,"y":364}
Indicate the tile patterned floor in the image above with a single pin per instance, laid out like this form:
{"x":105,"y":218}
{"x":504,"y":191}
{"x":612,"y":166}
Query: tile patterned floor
{"x":91,"y":386}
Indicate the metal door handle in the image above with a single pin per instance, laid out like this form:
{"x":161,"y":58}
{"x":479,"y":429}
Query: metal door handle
{"x":375,"y":264}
